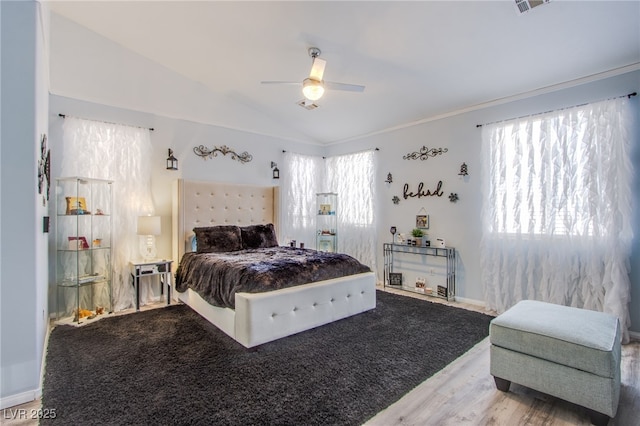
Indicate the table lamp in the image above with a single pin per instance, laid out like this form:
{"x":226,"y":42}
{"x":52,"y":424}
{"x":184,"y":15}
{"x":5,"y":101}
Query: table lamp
{"x":148,"y":228}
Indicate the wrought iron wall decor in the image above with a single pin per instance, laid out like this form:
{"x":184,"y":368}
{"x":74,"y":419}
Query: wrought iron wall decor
{"x":204,"y":152}
{"x":464,"y":170}
{"x":395,"y":199}
{"x":453,"y":197}
{"x":44,"y":170}
{"x":389,"y":178}
{"x":425,"y":153}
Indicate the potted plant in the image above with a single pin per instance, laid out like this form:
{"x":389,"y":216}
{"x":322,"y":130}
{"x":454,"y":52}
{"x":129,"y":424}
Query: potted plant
{"x":417,"y":234}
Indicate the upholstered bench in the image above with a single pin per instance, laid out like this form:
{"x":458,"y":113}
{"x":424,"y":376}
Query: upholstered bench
{"x":570,"y":353}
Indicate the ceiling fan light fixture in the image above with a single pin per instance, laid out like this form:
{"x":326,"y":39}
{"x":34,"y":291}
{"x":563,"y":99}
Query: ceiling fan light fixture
{"x":312,"y":89}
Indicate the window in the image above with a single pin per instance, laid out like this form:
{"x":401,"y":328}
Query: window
{"x":543,"y":177}
{"x":557,"y":209}
{"x":351,"y":177}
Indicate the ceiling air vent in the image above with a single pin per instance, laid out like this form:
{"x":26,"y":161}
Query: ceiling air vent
{"x":523,"y":6}
{"x":307,"y":104}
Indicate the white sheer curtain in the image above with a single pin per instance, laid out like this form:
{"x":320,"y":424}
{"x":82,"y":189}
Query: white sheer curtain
{"x":120,"y":153}
{"x":300,"y":181}
{"x":351,"y":177}
{"x":557,"y":209}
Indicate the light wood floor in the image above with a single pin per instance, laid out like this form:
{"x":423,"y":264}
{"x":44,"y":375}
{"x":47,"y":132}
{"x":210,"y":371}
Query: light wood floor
{"x":464,"y":394}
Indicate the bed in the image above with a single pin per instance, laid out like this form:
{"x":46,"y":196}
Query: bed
{"x":259,"y":318}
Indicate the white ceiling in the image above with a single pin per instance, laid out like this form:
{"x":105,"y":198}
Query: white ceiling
{"x":418,"y":59}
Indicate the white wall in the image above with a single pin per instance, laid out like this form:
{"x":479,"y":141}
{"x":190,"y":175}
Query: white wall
{"x":23,"y":245}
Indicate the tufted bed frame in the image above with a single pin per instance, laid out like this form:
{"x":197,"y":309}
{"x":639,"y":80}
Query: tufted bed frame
{"x":260,"y":317}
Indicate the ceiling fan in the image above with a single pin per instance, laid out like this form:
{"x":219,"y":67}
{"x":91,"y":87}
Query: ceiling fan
{"x":313,"y":87}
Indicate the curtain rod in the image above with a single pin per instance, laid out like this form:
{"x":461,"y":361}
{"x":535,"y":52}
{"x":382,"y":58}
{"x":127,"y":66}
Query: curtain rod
{"x":560,"y":109}
{"x":107,"y":122}
{"x":364,"y":150}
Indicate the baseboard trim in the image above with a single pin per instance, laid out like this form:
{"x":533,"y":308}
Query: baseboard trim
{"x":31,"y":395}
{"x":44,"y":355}
{"x":470,"y":301}
{"x":21,"y":398}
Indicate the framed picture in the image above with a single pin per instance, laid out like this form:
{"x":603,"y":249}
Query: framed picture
{"x":422,"y":221}
{"x":443,"y":291}
{"x":325,"y":208}
{"x":395,"y":278}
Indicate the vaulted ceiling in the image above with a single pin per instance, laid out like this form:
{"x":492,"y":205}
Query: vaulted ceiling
{"x":417,"y":59}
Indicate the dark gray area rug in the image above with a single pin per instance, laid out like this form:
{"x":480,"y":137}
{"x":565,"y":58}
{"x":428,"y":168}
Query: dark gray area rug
{"x":170,"y":366}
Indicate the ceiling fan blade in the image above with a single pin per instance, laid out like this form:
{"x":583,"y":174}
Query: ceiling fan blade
{"x":295,"y":83}
{"x":342,"y":86}
{"x":317,"y":69}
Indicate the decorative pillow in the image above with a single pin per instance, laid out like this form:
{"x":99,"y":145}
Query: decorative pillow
{"x":194,"y":243}
{"x":217,"y":239}
{"x":258,"y":236}
{"x":191,"y":243}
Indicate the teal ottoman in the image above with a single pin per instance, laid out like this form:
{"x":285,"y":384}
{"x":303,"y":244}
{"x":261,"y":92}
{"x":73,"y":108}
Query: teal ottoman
{"x":570,"y":353}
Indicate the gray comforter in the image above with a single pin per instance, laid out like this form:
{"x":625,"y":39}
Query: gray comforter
{"x":217,"y":277}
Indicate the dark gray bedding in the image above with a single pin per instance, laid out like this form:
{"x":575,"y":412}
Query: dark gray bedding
{"x":217,"y":277}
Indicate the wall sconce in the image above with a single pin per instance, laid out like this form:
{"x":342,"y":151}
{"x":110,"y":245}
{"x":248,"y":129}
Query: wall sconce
{"x":389,"y":178}
{"x":463,"y":170}
{"x":172,"y":162}
{"x":276,"y":171}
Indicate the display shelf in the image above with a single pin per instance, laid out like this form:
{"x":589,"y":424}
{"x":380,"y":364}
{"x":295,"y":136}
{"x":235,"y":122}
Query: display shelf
{"x":327,"y":222}
{"x":445,"y":291}
{"x":83,"y":247}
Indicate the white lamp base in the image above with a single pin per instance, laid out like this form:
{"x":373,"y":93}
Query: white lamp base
{"x":148,"y":247}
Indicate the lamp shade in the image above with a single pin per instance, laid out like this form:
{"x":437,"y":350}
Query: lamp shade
{"x":312,"y":89}
{"x":148,"y":225}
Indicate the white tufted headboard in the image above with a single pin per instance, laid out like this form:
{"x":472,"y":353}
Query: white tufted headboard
{"x":199,"y":203}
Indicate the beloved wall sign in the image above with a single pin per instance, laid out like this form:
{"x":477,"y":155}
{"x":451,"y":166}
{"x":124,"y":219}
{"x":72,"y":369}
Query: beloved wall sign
{"x":425,"y":153}
{"x":421,"y":192}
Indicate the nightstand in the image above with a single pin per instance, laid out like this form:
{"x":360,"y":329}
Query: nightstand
{"x":146,"y":268}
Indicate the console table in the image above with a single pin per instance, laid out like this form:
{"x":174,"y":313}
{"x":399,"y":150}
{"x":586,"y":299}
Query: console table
{"x":448,"y":291}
